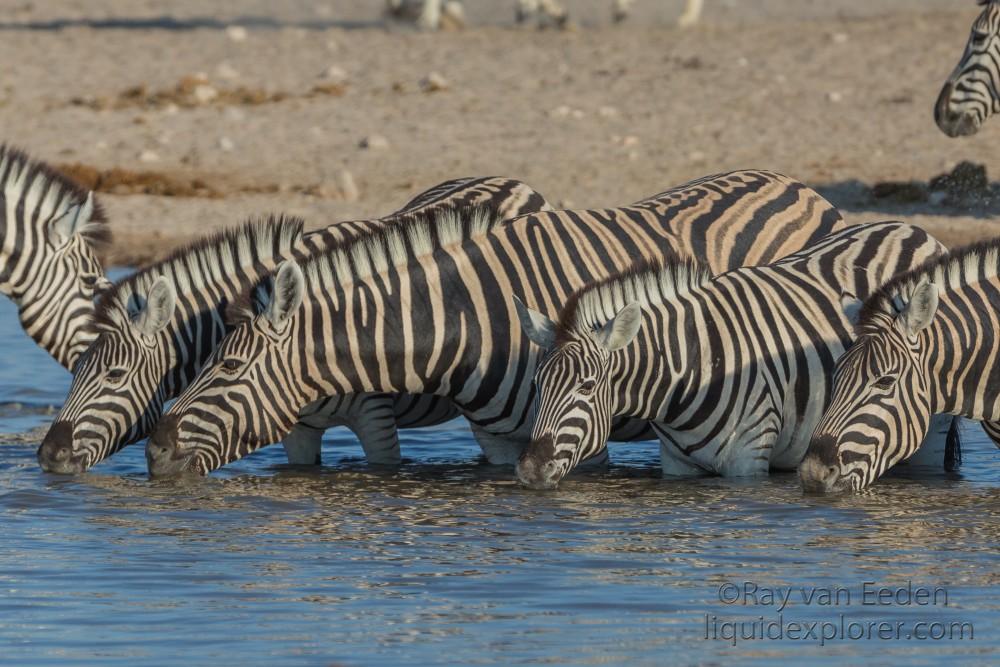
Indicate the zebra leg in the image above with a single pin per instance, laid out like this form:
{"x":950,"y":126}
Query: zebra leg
{"x":692,"y":12}
{"x":620,"y":10}
{"x":430,"y":15}
{"x":372,"y":418}
{"x":499,"y":450}
{"x":303,"y":445}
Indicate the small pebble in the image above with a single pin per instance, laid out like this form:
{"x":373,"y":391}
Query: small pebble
{"x":696,"y":156}
{"x":235,"y":114}
{"x":237,"y":33}
{"x":205,"y":93}
{"x":834,"y":97}
{"x":561,"y":111}
{"x":630,"y":141}
{"x":433,"y":82}
{"x":375,"y":142}
{"x":839,"y":37}
{"x":335,"y":74}
{"x":607,"y":112}
{"x":149,"y":156}
{"x":742,"y":62}
{"x":226,"y":144}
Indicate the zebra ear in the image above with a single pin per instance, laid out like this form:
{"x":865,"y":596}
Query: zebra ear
{"x":919,"y":312}
{"x":159,"y":308}
{"x":540,"y":329}
{"x":73,"y":220}
{"x":286,"y":294}
{"x":851,"y":305}
{"x":622,"y":328}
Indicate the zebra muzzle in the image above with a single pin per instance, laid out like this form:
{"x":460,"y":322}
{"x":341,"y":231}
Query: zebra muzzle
{"x":953,"y":123}
{"x":819,"y":473}
{"x":55,"y":454}
{"x":164,"y":457}
{"x":534,"y":469}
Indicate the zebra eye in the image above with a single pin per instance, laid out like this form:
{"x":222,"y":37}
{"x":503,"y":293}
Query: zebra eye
{"x":587,"y":387}
{"x":980,"y":35}
{"x":88,"y":281}
{"x":231,"y":365}
{"x":115,"y":374}
{"x":885,"y":382}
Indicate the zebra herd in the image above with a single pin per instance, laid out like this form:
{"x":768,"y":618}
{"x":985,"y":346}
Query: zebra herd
{"x":735,"y":318}
{"x":435,"y":14}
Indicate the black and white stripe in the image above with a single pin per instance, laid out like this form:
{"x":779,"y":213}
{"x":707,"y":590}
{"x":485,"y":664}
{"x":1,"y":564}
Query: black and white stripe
{"x":424,"y":306}
{"x":972,"y":92}
{"x":158,"y":326}
{"x":732,"y":371}
{"x":928,"y":342}
{"x":50,"y":233}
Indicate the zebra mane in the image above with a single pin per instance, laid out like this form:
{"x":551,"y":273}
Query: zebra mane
{"x":968,"y":265}
{"x":646,"y":282}
{"x":208,"y":260}
{"x":59,"y":192}
{"x":402,"y":238}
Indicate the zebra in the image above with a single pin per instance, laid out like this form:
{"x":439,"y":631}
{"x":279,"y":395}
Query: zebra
{"x":732,"y":371}
{"x":51,"y":233}
{"x":425,"y":308}
{"x":927,"y":342}
{"x":972,"y":93}
{"x":433,"y":14}
{"x":158,"y":326}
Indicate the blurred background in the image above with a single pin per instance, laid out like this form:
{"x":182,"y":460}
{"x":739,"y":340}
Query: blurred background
{"x":189,"y":115}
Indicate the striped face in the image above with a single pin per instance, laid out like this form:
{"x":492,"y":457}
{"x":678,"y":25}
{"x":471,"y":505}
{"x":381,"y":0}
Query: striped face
{"x":972,"y":92}
{"x":573,"y":412}
{"x":117,"y":391}
{"x":246,"y":396}
{"x":880,"y":409}
{"x":574,"y":395}
{"x":56,"y":302}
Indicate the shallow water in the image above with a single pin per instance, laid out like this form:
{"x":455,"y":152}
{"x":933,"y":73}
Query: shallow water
{"x":447,"y":561}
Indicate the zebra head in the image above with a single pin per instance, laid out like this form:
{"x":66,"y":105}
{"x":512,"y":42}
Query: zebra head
{"x":116,"y":393}
{"x":880,"y":408}
{"x":243,"y":398}
{"x":50,"y":233}
{"x":972,"y":92}
{"x":574,"y":400}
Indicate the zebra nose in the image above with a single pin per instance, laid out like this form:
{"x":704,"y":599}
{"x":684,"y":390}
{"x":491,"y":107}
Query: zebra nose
{"x":163,"y":454}
{"x":56,"y":451}
{"x":952,"y":123}
{"x":535,"y":468}
{"x":818,"y":471}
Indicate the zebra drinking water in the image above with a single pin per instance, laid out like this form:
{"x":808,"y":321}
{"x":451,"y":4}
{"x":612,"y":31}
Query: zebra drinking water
{"x":732,"y":371}
{"x":972,"y":92}
{"x":927,"y":342}
{"x":425,"y":308}
{"x":158,"y":326}
{"x":51,"y":230}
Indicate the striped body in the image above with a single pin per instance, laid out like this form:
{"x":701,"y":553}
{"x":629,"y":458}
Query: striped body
{"x":928,"y":342}
{"x":50,"y":231}
{"x":972,"y":92}
{"x":732,"y":371}
{"x":128,"y":374}
{"x":428,"y":311}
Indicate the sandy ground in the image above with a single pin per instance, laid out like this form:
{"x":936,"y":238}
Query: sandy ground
{"x":837,"y":94}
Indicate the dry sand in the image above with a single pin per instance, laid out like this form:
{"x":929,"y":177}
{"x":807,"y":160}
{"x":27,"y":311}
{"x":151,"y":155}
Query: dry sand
{"x":191,"y":115}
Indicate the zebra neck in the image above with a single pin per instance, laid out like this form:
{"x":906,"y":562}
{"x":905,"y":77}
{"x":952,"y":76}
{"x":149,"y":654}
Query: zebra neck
{"x":659,"y":375}
{"x":411,"y":339}
{"x":961,"y":360}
